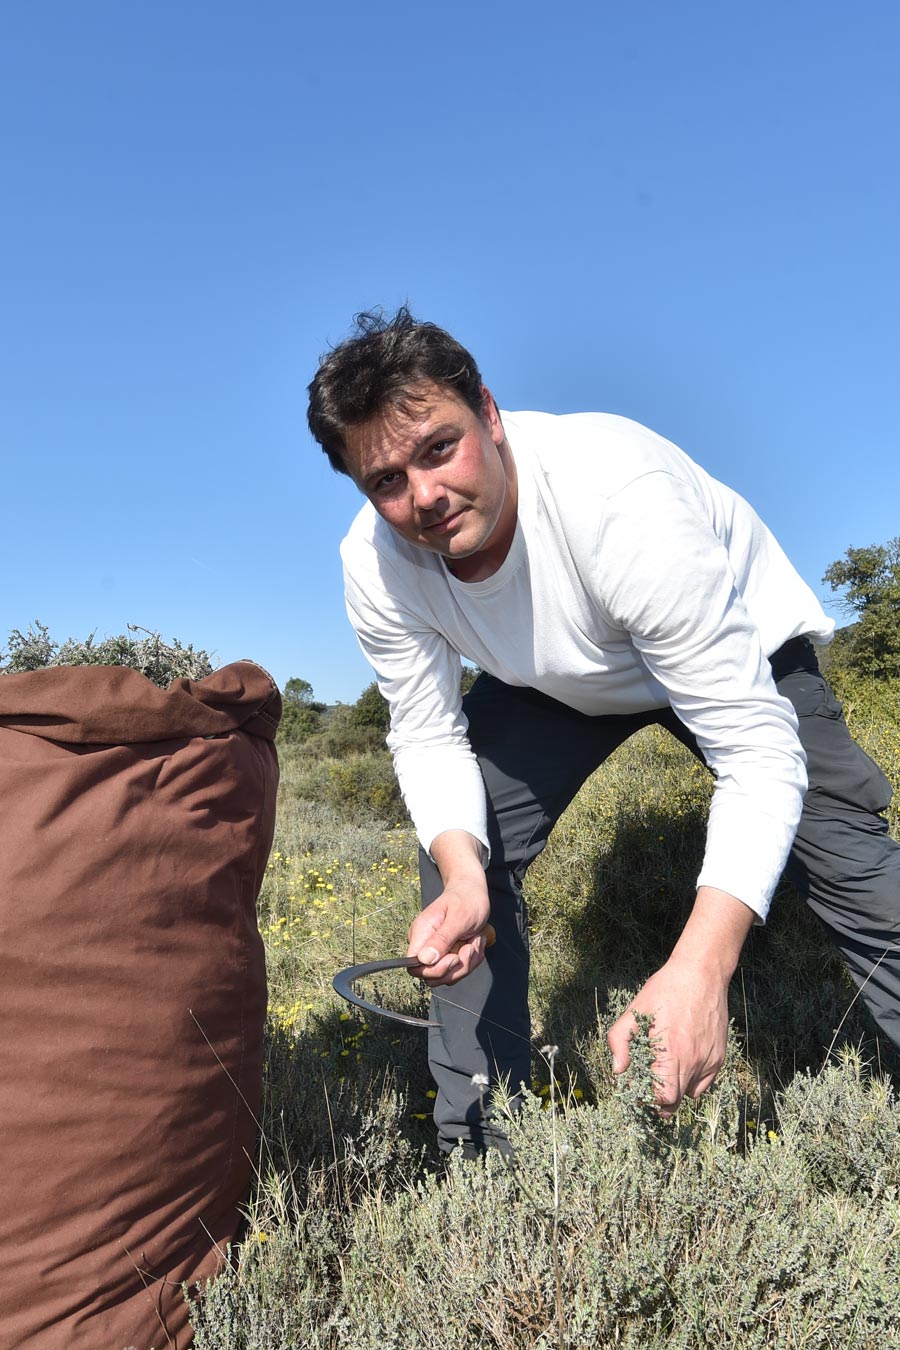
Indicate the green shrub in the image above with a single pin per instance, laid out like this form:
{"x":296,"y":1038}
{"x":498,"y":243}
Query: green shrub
{"x":607,"y":1229}
{"x":301,"y":715}
{"x":371,"y":710}
{"x":297,"y":724}
{"x":338,"y":737}
{"x":360,"y":786}
{"x":160,"y":661}
{"x":365,"y":783}
{"x":869,"y":582}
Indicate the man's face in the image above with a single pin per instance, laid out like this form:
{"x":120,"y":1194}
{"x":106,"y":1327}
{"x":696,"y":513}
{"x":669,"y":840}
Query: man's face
{"x":441,"y":476}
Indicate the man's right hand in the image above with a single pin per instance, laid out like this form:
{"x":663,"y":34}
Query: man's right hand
{"x":447,"y":936}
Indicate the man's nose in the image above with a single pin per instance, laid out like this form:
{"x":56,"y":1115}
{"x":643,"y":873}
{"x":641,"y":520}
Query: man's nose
{"x":426,"y":489}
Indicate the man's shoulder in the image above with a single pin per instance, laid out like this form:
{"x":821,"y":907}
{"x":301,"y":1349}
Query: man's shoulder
{"x":604,"y":450}
{"x":362,"y":528}
{"x":367,"y":531}
{"x":371,"y":546}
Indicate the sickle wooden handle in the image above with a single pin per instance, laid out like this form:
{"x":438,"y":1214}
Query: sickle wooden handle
{"x":488,"y":932}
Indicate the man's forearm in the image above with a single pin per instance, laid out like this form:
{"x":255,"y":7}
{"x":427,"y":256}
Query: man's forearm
{"x":713,"y":936}
{"x":458,"y":855}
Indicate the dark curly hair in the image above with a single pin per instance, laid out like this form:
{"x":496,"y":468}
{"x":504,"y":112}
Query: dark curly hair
{"x":381,"y":363}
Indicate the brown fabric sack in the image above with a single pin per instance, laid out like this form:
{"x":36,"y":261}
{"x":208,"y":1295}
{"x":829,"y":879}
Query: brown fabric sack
{"x":135,"y":824}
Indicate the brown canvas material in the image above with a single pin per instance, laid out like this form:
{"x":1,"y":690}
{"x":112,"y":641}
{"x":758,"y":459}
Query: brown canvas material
{"x":135,"y":825}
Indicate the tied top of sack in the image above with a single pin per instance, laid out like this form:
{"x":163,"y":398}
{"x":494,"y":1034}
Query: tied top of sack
{"x":113,"y":705}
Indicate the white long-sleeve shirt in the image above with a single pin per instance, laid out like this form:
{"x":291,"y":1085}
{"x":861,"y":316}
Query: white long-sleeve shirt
{"x":634,"y":580}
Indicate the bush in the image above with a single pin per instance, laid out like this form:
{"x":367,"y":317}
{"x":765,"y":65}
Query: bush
{"x":338,"y":735}
{"x":298,"y":724}
{"x":159,"y":661}
{"x":301,"y":715}
{"x":371,"y":710}
{"x":359,"y":787}
{"x":870,"y":581}
{"x":609,"y":1228}
{"x":365,"y":784}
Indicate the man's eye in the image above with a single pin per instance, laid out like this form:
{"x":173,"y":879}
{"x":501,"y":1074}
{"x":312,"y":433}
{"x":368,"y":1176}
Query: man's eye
{"x":440,"y":448}
{"x":387,"y":481}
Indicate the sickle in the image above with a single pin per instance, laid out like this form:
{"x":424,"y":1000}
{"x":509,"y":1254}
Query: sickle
{"x":344,"y":981}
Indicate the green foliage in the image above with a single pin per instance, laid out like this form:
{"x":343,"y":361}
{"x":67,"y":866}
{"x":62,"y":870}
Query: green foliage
{"x":299,"y":693}
{"x":468,"y":677}
{"x":301,"y":716}
{"x":603,"y":1231}
{"x":365,"y":784}
{"x":337,"y":756}
{"x":159,"y":661}
{"x":297,"y":724}
{"x":845,"y":1125}
{"x":337,"y":737}
{"x":342,"y":731}
{"x":870,"y":581}
{"x":371,"y":710}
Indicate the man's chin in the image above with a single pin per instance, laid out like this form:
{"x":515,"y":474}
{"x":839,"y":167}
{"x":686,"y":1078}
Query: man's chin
{"x":450,"y":545}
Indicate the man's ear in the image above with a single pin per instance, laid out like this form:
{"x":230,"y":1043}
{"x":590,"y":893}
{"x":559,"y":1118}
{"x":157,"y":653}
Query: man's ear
{"x":491,"y":415}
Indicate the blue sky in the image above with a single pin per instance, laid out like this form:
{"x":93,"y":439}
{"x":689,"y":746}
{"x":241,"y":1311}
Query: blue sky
{"x":687,"y":213}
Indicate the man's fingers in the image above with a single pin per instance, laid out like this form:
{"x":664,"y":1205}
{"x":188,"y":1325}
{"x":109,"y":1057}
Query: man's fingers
{"x":688,"y":1028}
{"x":670,"y":1093}
{"x":702,"y":1084}
{"x":671,"y":1089}
{"x":425,"y":936}
{"x":432,"y":948}
{"x":449,"y":964}
{"x":618,"y":1038}
{"x":667,"y":1090}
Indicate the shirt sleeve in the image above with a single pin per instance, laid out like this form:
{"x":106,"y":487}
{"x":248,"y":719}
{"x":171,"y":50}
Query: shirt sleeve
{"x":665,"y":577}
{"x":418,"y":672}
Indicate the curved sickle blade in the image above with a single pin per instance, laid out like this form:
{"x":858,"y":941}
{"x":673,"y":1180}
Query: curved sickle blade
{"x":344,"y":981}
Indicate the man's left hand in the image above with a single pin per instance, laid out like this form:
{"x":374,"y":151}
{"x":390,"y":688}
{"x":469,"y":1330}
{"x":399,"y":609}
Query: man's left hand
{"x":688,"y":1001}
{"x":690,"y":1029}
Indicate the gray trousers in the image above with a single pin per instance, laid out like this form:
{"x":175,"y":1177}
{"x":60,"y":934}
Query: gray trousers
{"x":535,"y":753}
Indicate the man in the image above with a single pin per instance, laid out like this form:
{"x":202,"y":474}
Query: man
{"x":601,"y":581}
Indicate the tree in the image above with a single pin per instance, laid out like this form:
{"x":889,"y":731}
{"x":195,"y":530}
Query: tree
{"x":301,"y":716}
{"x":371,"y":710}
{"x":468,"y":677}
{"x":870,"y":581}
{"x":300,"y":693}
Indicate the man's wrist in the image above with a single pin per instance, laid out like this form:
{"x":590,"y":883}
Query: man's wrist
{"x":714,"y":935}
{"x":459,"y":857}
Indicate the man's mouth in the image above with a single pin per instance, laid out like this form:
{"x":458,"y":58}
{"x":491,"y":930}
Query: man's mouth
{"x":444,"y":524}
